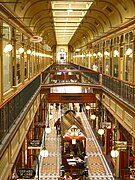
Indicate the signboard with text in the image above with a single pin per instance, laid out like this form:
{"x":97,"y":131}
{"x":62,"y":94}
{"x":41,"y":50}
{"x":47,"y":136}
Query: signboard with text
{"x":26,"y":173}
{"x":121,"y":145}
{"x":106,"y":125}
{"x":35,"y":142}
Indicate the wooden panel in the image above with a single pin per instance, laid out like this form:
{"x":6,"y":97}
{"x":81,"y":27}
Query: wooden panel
{"x":68,"y":97}
{"x":14,"y":145}
{"x":128,"y":119}
{"x":4,"y":164}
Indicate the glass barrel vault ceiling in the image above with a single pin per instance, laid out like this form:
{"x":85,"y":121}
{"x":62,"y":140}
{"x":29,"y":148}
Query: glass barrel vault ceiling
{"x":67,"y":17}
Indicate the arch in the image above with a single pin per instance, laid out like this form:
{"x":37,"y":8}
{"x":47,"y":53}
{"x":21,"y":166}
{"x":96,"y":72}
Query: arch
{"x":77,"y":38}
{"x":96,"y":20}
{"x":43,"y":26}
{"x":36,"y":14}
{"x":39,"y":29}
{"x":40,"y":19}
{"x":101,"y":13}
{"x":107,"y":2}
{"x":33,"y":3}
{"x":92,"y":26}
{"x":89,"y":28}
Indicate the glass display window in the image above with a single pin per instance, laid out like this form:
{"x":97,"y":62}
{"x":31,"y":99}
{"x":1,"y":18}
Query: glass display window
{"x":7,"y":56}
{"x":128,"y":60}
{"x":107,"y":61}
{"x":115,"y":56}
{"x":128,"y":63}
{"x":18,"y":64}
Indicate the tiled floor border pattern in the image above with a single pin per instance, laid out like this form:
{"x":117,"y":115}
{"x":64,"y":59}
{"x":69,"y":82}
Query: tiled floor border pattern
{"x":97,"y":164}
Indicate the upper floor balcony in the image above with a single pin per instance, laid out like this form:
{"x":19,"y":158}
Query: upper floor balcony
{"x":61,"y":75}
{"x":89,"y":80}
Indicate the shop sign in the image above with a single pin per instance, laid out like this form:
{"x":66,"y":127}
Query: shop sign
{"x":26,"y":173}
{"x":35,"y":142}
{"x":106,"y":125}
{"x":132,"y":173}
{"x":121,"y":145}
{"x":36,"y":39}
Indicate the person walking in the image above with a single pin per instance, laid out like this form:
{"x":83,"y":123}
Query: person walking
{"x":57,"y":125}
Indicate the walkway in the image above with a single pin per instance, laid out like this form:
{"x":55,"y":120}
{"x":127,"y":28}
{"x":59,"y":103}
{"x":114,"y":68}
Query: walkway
{"x":97,"y":164}
{"x":50,"y":166}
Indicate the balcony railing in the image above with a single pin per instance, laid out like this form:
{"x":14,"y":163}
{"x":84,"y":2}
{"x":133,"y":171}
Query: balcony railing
{"x":10,"y":111}
{"x":123,"y":90}
{"x":67,"y":73}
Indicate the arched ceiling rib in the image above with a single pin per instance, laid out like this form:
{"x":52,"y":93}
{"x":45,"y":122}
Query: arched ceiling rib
{"x":99,"y":23}
{"x":40,"y":15}
{"x":102,"y":16}
{"x":44,"y":26}
{"x":92,"y":28}
{"x":70,"y":19}
{"x":113,"y":5}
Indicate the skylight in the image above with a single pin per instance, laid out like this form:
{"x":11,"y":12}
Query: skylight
{"x":67,"y":17}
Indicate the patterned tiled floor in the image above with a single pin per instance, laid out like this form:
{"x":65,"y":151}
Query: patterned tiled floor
{"x":49,"y":169}
{"x":97,"y":165}
{"x":50,"y":166}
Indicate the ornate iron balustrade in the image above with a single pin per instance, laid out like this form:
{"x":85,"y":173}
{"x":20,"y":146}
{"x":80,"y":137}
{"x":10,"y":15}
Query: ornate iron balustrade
{"x":13,"y":108}
{"x":124,"y":90}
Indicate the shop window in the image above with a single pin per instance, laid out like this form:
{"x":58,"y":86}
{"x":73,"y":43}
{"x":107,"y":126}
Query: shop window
{"x":128,"y":62}
{"x":107,"y":61}
{"x":25,"y":66}
{"x":30,"y":67}
{"x":25,"y":57}
{"x":121,"y":46}
{"x":18,"y":65}
{"x":128,"y":37}
{"x":115,"y":57}
{"x":121,"y":40}
{"x":7,"y":56}
{"x":115,"y":63}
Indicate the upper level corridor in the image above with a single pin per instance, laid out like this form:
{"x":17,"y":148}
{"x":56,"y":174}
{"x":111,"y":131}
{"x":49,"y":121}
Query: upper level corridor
{"x":68,"y":74}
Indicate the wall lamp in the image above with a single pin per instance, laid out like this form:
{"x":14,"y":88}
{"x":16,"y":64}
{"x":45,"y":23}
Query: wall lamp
{"x":101,"y":131}
{"x":105,"y":125}
{"x":21,"y":50}
{"x":28,"y":51}
{"x":87,"y":107}
{"x":114,"y":151}
{"x":44,"y":151}
{"x":93,"y":116}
